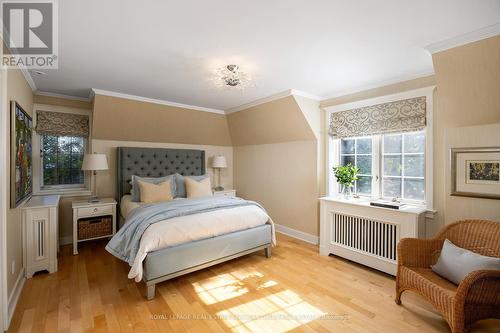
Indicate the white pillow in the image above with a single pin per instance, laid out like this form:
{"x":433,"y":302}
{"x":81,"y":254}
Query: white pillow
{"x":455,"y":263}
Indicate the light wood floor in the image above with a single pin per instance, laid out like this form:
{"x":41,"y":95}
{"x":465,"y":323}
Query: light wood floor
{"x":294,"y":291}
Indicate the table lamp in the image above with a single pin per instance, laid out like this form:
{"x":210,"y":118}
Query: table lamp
{"x":94,"y":162}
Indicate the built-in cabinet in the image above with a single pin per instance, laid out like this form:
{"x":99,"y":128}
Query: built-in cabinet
{"x":40,"y":234}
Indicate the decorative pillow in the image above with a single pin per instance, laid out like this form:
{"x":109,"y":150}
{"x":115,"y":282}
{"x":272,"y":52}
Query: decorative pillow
{"x":155,"y":192}
{"x":180,"y":184}
{"x":455,"y":263}
{"x":136,"y":192}
{"x":196,"y":189}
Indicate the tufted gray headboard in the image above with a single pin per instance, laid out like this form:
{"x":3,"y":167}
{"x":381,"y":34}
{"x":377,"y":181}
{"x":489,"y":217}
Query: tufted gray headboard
{"x":156,"y":162}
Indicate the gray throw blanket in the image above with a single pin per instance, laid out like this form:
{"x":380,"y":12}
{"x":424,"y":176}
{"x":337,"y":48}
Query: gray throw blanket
{"x":126,"y":242}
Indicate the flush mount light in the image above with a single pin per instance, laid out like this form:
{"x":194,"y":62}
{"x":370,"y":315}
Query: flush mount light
{"x":231,"y":76}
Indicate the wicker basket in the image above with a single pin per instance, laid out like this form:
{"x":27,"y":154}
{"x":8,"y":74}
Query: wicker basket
{"x":95,"y":227}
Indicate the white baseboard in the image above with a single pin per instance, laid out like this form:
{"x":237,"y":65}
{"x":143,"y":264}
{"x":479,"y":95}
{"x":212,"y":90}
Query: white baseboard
{"x":65,"y":240}
{"x":296,"y":234}
{"x":14,"y":296}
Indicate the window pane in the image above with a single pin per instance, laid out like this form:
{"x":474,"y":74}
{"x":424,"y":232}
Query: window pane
{"x":365,"y":164}
{"x":364,"y":185}
{"x":392,"y":165}
{"x":414,"y":142}
{"x":392,"y":187}
{"x":347,"y":146}
{"x":392,"y":143}
{"x":62,"y":160}
{"x":364,"y":146}
{"x":414,"y":166}
{"x":347,"y":159}
{"x":414,"y":189}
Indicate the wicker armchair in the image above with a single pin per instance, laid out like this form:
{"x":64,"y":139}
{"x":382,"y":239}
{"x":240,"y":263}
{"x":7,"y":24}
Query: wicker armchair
{"x":478,"y":295}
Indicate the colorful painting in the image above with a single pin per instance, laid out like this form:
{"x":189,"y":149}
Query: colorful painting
{"x":484,"y":171}
{"x":475,"y":172}
{"x":21,"y":155}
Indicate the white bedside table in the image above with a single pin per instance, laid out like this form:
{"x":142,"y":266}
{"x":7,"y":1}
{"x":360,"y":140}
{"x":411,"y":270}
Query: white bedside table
{"x":85,"y":209}
{"x":225,"y":193}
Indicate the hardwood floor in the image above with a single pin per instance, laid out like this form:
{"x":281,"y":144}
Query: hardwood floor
{"x":294,"y":291}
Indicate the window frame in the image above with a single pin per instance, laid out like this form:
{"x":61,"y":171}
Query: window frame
{"x":69,"y":189}
{"x":333,"y":147}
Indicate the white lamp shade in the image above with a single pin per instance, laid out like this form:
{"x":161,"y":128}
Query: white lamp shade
{"x":95,"y":162}
{"x":219,"y":162}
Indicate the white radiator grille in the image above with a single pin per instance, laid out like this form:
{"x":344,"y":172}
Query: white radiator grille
{"x":40,"y":238}
{"x":365,"y":235}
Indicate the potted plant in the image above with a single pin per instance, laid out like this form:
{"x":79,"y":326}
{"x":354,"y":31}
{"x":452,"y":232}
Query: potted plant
{"x":346,"y":175}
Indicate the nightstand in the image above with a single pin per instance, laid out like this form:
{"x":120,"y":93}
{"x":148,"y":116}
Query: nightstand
{"x":225,"y":193}
{"x":91,"y":220}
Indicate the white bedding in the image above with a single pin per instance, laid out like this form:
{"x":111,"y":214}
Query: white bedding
{"x":190,"y":228}
{"x":126,"y":205}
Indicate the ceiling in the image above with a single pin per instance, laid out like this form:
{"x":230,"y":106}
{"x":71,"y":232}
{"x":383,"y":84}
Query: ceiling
{"x":167,"y":50}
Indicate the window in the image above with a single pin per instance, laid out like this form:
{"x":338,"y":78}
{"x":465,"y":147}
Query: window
{"x":358,"y":152}
{"x":403,"y":166}
{"x":399,"y":158}
{"x":61,"y":161}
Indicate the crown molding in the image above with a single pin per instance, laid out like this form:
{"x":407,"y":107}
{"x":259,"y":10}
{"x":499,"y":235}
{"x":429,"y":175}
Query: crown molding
{"x":283,"y":94}
{"x":50,"y":94}
{"x":379,"y":84}
{"x":473,"y":36}
{"x":23,"y":68}
{"x":152,"y":100}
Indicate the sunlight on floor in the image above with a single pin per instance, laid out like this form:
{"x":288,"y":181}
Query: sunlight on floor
{"x":282,"y":309}
{"x":219,"y":288}
{"x":285,"y":310}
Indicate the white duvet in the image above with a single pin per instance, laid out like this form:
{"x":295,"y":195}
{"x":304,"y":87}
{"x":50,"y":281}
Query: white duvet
{"x":190,"y":228}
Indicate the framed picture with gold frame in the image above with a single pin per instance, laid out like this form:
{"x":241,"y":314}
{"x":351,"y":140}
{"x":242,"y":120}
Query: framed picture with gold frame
{"x":21,"y":155}
{"x":475,"y":172}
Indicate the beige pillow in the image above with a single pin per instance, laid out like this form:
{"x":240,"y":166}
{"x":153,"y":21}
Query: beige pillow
{"x":196,"y":189}
{"x":155,"y":192}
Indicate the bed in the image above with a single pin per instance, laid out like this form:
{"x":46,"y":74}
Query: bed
{"x":167,"y":263}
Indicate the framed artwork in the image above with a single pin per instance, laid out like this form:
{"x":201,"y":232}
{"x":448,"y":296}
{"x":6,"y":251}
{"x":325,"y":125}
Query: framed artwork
{"x":475,"y":172}
{"x":21,"y":155}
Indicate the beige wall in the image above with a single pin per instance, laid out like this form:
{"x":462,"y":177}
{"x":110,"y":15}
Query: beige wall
{"x":277,"y":121}
{"x":17,"y":90}
{"x":50,"y":100}
{"x":282,"y":177}
{"x":468,"y":81}
{"x":457,"y":208}
{"x":129,"y":120}
{"x":276,"y":159}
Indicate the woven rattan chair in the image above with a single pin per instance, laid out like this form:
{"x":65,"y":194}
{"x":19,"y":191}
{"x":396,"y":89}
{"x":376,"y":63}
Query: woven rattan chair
{"x":478,"y":295}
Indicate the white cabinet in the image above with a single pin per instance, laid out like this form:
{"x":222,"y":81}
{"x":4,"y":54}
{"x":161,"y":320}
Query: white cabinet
{"x":225,"y":193}
{"x":40,"y":234}
{"x":354,"y":230}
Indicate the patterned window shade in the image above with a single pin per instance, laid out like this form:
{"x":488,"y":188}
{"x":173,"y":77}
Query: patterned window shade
{"x":395,"y":117}
{"x":62,"y":124}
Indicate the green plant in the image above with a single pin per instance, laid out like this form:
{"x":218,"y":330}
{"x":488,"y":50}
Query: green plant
{"x":346,"y":174}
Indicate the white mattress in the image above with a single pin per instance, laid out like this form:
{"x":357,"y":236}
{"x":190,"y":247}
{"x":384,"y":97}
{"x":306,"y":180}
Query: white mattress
{"x":185,"y":229}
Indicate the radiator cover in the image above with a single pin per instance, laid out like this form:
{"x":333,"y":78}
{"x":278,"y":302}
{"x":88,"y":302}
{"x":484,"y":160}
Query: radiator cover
{"x":354,"y":230}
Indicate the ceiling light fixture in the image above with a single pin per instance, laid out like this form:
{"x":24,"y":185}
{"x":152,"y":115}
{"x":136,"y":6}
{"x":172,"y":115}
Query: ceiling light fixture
{"x":231,"y":76}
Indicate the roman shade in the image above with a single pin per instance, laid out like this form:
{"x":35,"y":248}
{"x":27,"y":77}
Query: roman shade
{"x":62,"y":124}
{"x":394,"y":117}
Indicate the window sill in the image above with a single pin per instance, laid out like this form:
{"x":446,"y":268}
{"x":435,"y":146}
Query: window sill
{"x":365,"y":201}
{"x":70,"y":192}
